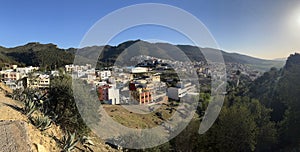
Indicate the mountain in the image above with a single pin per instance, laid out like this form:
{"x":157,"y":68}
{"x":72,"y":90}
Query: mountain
{"x":44,"y":55}
{"x":6,"y":59}
{"x":125,"y":51}
{"x":50,"y":56}
{"x":280,"y":90}
{"x":256,"y":63}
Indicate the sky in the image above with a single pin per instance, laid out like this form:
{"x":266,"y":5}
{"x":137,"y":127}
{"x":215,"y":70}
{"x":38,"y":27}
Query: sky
{"x":260,"y":28}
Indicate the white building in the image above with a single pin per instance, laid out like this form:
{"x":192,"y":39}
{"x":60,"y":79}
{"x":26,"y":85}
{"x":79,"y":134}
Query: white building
{"x":114,"y":96}
{"x":180,"y":90}
{"x":79,"y":74}
{"x":109,"y":94}
{"x":54,"y":73}
{"x":176,"y":93}
{"x":99,"y":83}
{"x":90,"y":71}
{"x":26,"y":70}
{"x":14,"y":84}
{"x":139,"y":70}
{"x":104,"y":75}
{"x":74,"y":68}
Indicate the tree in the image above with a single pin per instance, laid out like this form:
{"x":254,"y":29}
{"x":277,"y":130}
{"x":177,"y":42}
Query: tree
{"x":243,"y":125}
{"x":267,"y":132}
{"x":235,"y":130}
{"x":63,"y":104}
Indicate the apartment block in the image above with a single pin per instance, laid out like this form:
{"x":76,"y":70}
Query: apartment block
{"x":108,"y":94}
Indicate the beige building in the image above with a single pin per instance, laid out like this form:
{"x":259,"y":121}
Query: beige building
{"x":10,"y":75}
{"x":40,"y":81}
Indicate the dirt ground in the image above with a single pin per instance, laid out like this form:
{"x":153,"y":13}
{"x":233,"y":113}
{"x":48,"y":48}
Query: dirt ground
{"x":41,"y":141}
{"x":46,"y":141}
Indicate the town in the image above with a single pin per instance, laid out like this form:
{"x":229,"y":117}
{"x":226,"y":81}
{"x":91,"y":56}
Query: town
{"x":151,"y":81}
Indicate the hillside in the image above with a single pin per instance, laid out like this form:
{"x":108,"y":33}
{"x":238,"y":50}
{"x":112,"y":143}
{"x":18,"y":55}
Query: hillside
{"x":38,"y":139}
{"x":50,"y":56}
{"x":256,"y":63}
{"x":49,"y":140}
{"x":6,"y":59}
{"x":123,"y":53}
{"x":279,"y":90}
{"x":36,"y":54}
{"x":263,"y":114}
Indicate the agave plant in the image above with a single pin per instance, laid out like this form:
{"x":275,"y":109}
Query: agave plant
{"x":87,"y":142}
{"x":16,"y":94}
{"x":51,"y":114}
{"x":29,"y":107}
{"x":42,"y":122}
{"x":69,"y":142}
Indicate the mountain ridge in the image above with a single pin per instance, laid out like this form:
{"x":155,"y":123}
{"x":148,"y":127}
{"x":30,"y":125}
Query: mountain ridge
{"x":51,"y":56}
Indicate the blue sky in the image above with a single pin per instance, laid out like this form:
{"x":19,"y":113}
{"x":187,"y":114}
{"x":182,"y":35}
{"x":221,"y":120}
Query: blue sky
{"x":261,"y":28}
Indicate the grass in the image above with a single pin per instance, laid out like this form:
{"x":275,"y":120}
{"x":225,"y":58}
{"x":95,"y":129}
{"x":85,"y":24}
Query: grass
{"x":139,"y":121}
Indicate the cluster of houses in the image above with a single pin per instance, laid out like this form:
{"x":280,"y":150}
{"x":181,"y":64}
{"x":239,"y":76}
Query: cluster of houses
{"x":100,"y":80}
{"x":22,"y":77}
{"x":141,"y":84}
{"x":232,"y":69}
{"x":130,"y":85}
{"x":145,"y":87}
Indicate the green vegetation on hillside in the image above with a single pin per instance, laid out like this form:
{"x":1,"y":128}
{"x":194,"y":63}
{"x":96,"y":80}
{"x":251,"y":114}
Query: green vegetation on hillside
{"x":49,"y":56}
{"x":46,"y":56}
{"x":263,"y":115}
{"x":256,"y":116}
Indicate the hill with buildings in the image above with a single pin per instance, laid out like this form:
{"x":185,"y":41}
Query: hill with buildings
{"x":265,"y":108}
{"x":49,"y":56}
